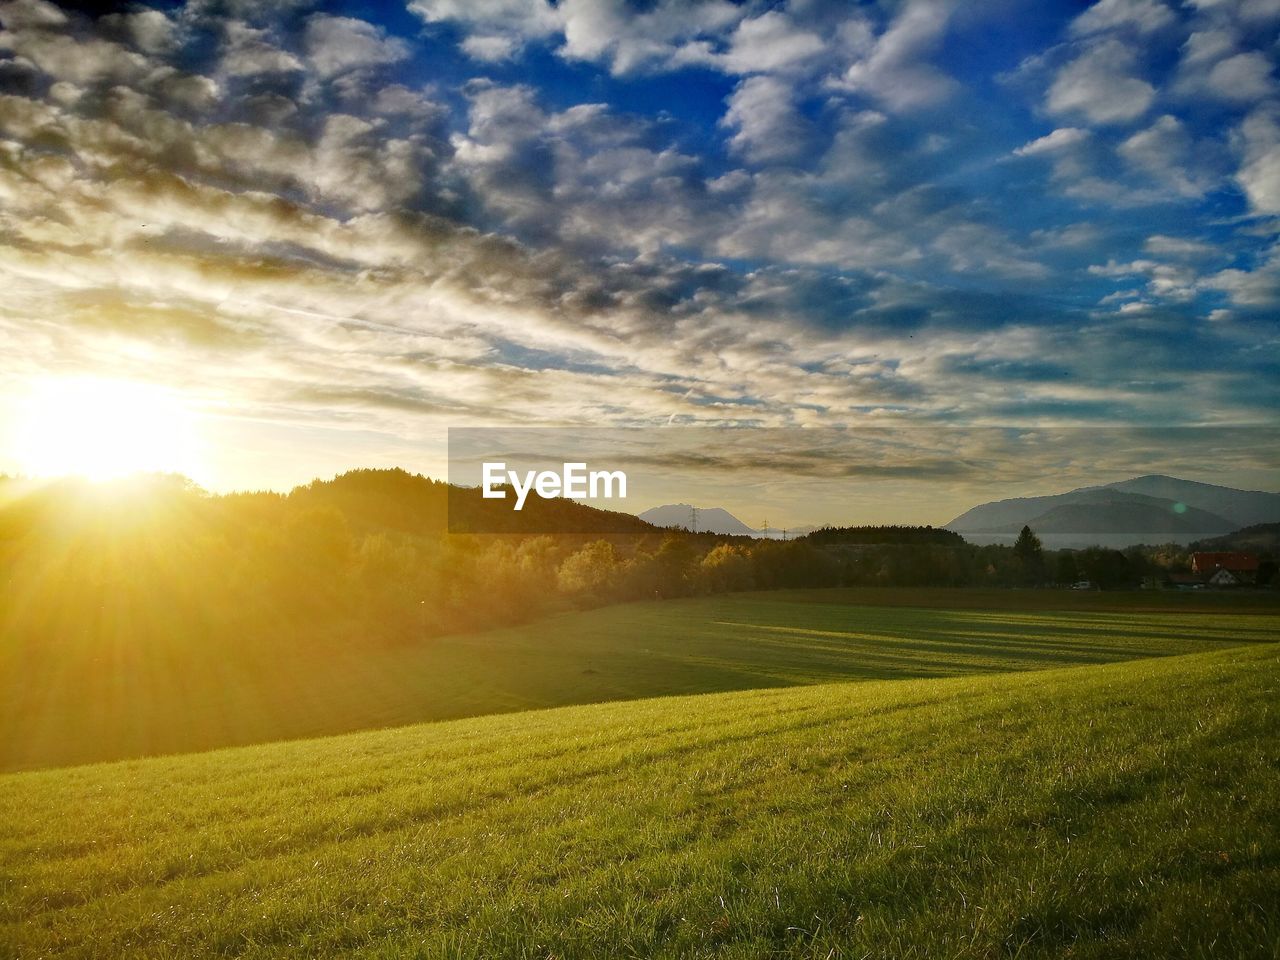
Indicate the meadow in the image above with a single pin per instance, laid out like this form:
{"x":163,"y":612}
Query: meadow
{"x":91,"y":700}
{"x":1113,"y":810}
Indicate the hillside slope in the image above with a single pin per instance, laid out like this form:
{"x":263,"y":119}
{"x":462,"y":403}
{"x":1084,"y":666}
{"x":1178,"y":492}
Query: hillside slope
{"x":1121,"y":811}
{"x":73,"y":704}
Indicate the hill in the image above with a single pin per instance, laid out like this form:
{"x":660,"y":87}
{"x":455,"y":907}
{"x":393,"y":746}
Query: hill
{"x":1149,"y":505}
{"x":1118,"y":811}
{"x":373,"y":500}
{"x":1260,"y":538}
{"x":679,"y":516}
{"x":81,"y":702}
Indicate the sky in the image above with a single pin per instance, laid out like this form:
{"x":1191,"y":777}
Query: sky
{"x":317,"y":235}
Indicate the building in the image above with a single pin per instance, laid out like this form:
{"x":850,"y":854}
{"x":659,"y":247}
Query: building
{"x":1225,"y":569}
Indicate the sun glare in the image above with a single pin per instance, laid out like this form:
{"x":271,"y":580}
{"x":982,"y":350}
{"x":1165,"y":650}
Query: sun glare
{"x":104,"y":429}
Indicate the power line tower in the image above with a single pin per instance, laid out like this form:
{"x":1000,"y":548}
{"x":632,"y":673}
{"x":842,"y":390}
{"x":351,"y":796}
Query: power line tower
{"x":766,"y":528}
{"x":693,"y":519}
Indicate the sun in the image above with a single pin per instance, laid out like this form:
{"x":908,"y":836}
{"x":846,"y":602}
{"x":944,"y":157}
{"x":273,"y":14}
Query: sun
{"x":103,"y":429}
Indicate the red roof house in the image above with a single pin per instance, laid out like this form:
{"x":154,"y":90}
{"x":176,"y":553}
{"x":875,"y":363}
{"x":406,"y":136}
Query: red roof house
{"x":1207,"y":564}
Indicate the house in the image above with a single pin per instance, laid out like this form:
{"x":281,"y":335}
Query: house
{"x":1225,"y":569}
{"x":1222,"y":577}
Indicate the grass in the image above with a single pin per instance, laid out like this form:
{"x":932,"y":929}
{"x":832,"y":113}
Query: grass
{"x":1123,"y":810}
{"x":76,"y":705}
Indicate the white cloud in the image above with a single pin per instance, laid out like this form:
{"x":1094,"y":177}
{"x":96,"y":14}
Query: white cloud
{"x":1244,"y":77}
{"x":1059,"y":139}
{"x":895,"y":70}
{"x":1208,"y":46}
{"x":669,"y":33}
{"x":490,"y":48}
{"x":1100,"y":84}
{"x":629,"y":41}
{"x":1164,"y":151}
{"x":1144,"y":16}
{"x":762,"y":111}
{"x":1259,"y":148}
{"x":516,"y":20}
{"x":1164,"y":245}
{"x":248,"y":52}
{"x":337,"y":44}
{"x":770,"y":42}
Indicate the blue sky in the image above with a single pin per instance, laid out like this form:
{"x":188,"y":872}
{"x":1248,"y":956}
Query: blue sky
{"x":338,"y":229}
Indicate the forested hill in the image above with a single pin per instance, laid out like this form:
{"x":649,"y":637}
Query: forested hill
{"x":410,"y":503}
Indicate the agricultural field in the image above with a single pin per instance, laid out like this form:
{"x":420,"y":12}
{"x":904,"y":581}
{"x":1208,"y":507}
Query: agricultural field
{"x":83,"y":703}
{"x":1105,"y":810}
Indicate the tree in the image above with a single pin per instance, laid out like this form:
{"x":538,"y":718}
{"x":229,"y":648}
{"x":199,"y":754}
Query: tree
{"x":589,"y":571}
{"x":1068,"y":572}
{"x":1030,"y":556}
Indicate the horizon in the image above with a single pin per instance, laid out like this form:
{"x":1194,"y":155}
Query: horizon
{"x":127,"y":480}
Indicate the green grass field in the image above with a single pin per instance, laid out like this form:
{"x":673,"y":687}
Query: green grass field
{"x":81,"y":704}
{"x":1121,"y":810}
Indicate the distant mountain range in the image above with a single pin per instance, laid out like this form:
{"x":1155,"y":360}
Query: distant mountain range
{"x":711,"y":520}
{"x":1147,"y":505}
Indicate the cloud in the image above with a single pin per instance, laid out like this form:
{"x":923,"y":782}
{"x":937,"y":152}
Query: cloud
{"x":1060,"y":139}
{"x":893,"y":68}
{"x":1163,"y":245}
{"x":1100,"y":85}
{"x":63,"y":57}
{"x":770,"y":42}
{"x":20,"y":14}
{"x":1141,"y":16}
{"x":769,"y":126}
{"x":248,"y":52}
{"x":149,"y":30}
{"x":1258,"y":144}
{"x":490,"y":48}
{"x":340,"y":226}
{"x":1165,"y":151}
{"x":337,"y":44}
{"x":497,"y":28}
{"x":1244,"y":77}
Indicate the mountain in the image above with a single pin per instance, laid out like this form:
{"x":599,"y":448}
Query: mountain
{"x":1243,"y":508}
{"x":1150,"y":505}
{"x":710,"y":519}
{"x":1122,"y":516}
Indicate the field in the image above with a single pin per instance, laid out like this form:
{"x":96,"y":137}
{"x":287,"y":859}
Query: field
{"x":80,"y":704}
{"x":1121,"y":810}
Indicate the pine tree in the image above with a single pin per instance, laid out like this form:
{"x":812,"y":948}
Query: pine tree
{"x":1030,"y":556}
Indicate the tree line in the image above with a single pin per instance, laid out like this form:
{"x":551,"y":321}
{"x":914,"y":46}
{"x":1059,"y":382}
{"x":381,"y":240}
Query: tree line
{"x":366,"y":559}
